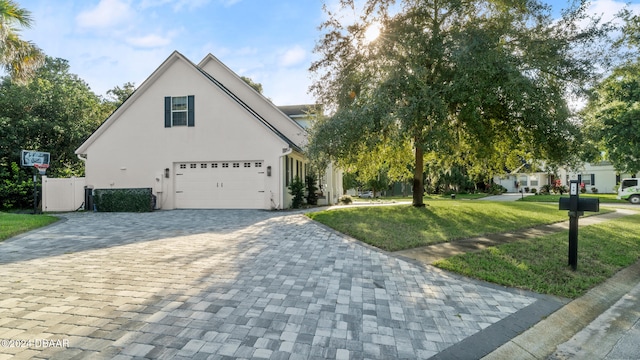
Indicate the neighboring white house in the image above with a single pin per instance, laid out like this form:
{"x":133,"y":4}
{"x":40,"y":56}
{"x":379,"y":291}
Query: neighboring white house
{"x":200,"y":137}
{"x":601,"y":176}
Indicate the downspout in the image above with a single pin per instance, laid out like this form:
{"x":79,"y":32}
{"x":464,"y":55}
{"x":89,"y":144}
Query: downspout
{"x":285,"y":152}
{"x":83,"y":159}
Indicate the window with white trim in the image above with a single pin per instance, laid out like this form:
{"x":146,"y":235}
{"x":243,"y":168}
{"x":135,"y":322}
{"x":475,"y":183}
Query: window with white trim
{"x":258,"y":164}
{"x":236,"y":165}
{"x":214,"y":166}
{"x":179,"y":111}
{"x":247,"y":164}
{"x":183,"y":166}
{"x":225,"y":165}
{"x":193,"y":166}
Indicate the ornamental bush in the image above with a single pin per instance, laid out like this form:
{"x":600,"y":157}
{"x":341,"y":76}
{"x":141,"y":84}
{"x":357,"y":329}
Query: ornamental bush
{"x":123,"y":200}
{"x":296,"y":189}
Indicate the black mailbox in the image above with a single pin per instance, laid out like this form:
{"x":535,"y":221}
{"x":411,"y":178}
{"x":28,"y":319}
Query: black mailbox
{"x":584,"y":204}
{"x":576,"y":207}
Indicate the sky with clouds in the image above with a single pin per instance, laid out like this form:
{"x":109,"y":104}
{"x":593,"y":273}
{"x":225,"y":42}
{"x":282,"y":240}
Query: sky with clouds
{"x":111,"y":42}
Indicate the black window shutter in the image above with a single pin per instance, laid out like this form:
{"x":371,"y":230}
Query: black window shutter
{"x":191,"y":112}
{"x":593,"y":179}
{"x":167,"y":111}
{"x":579,"y":179}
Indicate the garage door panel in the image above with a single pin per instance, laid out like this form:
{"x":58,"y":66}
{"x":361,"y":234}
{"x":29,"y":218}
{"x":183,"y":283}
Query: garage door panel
{"x":222,"y":185}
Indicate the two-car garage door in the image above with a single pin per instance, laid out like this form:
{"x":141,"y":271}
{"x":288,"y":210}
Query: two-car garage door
{"x":219,"y":185}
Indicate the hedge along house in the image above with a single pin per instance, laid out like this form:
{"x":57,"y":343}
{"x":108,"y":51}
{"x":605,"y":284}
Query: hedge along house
{"x":200,"y":138}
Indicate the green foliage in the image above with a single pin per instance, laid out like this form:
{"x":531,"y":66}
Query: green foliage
{"x":350,"y":181}
{"x":345,"y":200}
{"x":18,"y":57}
{"x":118,"y":94}
{"x":123,"y":200}
{"x":256,"y":86}
{"x":497,"y":189}
{"x":475,"y":88}
{"x":296,"y":189}
{"x":611,"y":118}
{"x":16,"y":188}
{"x":55,"y":112}
{"x":312,"y":189}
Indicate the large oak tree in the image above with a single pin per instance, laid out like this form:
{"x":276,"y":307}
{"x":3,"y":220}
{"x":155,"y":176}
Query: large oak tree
{"x":480,"y":83}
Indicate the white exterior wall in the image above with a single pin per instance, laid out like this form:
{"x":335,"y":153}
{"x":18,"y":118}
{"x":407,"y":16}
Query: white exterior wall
{"x":134,"y":150}
{"x":524,"y":180}
{"x":255,"y":100}
{"x":605,"y":176}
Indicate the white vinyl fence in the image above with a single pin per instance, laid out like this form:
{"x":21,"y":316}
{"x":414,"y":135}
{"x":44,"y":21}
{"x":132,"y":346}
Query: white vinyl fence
{"x":65,"y":194}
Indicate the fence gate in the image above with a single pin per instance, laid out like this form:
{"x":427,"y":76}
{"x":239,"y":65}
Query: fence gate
{"x":65,"y":194}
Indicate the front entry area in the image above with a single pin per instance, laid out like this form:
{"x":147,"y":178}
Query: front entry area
{"x":219,"y":185}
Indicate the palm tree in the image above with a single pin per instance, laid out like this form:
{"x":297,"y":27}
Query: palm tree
{"x":19,"y":58}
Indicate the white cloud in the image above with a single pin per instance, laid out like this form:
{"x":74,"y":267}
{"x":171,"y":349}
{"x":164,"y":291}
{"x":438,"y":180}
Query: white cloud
{"x":149,"y":41}
{"x":107,"y":14}
{"x":293,"y":56}
{"x":609,"y":8}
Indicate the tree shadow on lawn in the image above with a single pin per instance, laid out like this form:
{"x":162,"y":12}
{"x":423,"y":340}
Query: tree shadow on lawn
{"x":402,"y":227}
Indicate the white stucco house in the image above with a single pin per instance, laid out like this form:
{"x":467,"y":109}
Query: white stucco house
{"x":200,"y":137}
{"x":600,"y":175}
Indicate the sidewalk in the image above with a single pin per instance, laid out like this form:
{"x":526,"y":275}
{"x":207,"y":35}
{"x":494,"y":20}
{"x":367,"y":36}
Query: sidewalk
{"x":602,"y":324}
{"x":428,"y":254}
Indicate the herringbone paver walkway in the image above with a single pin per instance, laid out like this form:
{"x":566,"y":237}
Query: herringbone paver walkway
{"x":224,"y":283}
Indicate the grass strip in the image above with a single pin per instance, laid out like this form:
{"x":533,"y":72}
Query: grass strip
{"x":400,"y":227}
{"x":540,"y":264}
{"x":14,"y":224}
{"x":604,"y":198}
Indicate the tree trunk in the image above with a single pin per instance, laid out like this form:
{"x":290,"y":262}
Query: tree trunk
{"x":418,"y":185}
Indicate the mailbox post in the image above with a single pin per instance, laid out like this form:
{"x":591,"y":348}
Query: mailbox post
{"x":576,"y":207}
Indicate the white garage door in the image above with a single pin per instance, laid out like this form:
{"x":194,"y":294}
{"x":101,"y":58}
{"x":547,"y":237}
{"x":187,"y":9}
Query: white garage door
{"x":220,"y":185}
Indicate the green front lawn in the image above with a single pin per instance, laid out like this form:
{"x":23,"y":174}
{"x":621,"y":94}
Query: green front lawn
{"x":426,"y":197}
{"x":540,"y":264}
{"x":14,"y":224}
{"x":401,"y":227}
{"x":604,"y":198}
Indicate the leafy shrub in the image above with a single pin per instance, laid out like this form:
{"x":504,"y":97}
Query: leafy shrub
{"x":123,"y":200}
{"x":312,"y":195}
{"x":526,"y":189}
{"x":594,"y":190}
{"x":497,"y":189}
{"x":296,"y":189}
{"x":583,"y":190}
{"x":534,"y":191}
{"x":345,"y":199}
{"x":16,"y":189}
{"x":546,"y":189}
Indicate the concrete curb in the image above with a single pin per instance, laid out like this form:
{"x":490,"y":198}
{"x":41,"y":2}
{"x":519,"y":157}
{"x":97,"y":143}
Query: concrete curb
{"x":541,"y":340}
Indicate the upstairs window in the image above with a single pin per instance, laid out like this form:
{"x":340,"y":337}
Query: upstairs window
{"x":179,"y":111}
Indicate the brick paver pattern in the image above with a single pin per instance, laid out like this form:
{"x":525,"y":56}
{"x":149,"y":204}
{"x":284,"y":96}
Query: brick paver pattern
{"x":225,"y":283}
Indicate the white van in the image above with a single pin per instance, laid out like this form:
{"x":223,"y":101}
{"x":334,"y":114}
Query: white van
{"x":629,"y":190}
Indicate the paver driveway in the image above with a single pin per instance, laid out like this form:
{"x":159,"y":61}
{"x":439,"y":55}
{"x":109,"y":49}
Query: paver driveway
{"x":215,"y":284}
